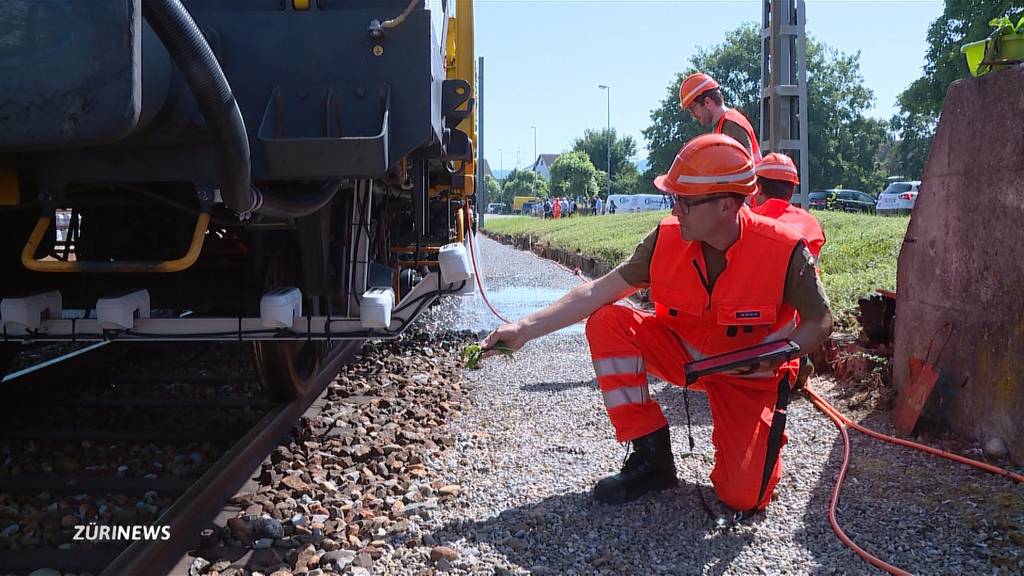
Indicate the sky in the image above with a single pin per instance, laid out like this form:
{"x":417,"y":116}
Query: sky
{"x":544,"y":60}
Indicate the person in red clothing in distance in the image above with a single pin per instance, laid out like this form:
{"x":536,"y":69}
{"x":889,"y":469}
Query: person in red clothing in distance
{"x":722,"y":278}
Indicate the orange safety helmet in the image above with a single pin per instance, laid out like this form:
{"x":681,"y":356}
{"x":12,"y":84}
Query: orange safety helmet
{"x":694,"y":85}
{"x":708,"y":164}
{"x":776,"y":166}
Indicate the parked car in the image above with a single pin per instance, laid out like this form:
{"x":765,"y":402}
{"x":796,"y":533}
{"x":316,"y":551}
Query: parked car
{"x":532,"y":208}
{"x":818,"y":200}
{"x":842,"y":199}
{"x":497,"y":208}
{"x":898,"y":197}
{"x":638,"y":202}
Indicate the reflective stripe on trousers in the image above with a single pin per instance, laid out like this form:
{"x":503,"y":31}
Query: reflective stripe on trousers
{"x":632,"y":391}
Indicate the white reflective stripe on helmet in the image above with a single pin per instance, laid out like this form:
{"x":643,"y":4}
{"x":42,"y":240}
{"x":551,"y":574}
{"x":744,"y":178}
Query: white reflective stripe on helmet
{"x":621,"y":365}
{"x":689,"y":96}
{"x":723,"y":179}
{"x":629,"y":395}
{"x":783,"y":167}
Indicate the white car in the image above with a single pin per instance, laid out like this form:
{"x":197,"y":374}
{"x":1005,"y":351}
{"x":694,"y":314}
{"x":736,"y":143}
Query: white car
{"x":898,"y":198}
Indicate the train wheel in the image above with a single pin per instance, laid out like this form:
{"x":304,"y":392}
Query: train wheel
{"x":288,"y":369}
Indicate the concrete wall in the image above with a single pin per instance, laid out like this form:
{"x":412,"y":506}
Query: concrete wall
{"x":961,"y":267}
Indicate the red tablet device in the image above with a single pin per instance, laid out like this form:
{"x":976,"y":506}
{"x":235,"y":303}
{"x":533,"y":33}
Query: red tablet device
{"x":767,"y":352}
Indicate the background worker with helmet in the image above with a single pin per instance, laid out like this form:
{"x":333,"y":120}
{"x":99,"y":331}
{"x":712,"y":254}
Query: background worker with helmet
{"x":777,"y":179}
{"x":701,"y":96}
{"x":722,"y":278}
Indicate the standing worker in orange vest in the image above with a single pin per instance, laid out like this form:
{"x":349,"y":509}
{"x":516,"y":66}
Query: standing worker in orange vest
{"x":721,"y":278}
{"x":701,"y":96}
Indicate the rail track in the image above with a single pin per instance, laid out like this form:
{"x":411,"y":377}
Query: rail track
{"x":128,"y":436}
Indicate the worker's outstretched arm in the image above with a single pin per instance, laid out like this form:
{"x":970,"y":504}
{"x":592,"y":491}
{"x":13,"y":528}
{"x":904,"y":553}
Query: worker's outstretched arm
{"x":577,"y":304}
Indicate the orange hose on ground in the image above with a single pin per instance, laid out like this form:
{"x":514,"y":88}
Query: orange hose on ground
{"x":842,"y":422}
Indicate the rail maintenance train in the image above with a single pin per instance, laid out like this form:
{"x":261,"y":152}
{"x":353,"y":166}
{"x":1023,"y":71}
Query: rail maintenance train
{"x":292,"y":172}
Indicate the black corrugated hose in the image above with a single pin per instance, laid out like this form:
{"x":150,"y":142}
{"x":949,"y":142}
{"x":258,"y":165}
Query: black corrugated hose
{"x":187,"y":46}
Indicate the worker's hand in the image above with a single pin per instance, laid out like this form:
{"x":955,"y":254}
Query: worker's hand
{"x":511,"y":336}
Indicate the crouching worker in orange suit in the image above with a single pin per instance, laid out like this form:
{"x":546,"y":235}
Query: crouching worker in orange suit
{"x":722,"y":278}
{"x":777,"y":179}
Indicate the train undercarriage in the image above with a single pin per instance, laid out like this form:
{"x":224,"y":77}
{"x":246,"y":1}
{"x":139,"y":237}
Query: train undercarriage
{"x":289,"y":173}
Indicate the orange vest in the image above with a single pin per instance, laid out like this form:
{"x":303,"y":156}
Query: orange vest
{"x":797,"y":218}
{"x":736,"y":116}
{"x":745,"y":306}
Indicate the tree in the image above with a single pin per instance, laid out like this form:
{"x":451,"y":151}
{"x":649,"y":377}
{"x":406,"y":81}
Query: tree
{"x":961,"y":21}
{"x":594,"y":144}
{"x":525,"y":183}
{"x":842,"y":142}
{"x":736,"y":64}
{"x":573,"y":174}
{"x":494,"y":192}
{"x":632,"y":182}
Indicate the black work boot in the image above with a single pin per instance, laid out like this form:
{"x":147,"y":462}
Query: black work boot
{"x":649,"y":467}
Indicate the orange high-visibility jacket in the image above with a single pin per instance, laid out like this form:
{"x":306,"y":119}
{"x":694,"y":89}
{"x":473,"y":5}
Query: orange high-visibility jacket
{"x":797,"y":218}
{"x":736,"y":116}
{"x":746,"y":304}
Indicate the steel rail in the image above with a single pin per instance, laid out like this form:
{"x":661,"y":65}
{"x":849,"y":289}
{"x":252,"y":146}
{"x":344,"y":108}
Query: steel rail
{"x":197,"y":507}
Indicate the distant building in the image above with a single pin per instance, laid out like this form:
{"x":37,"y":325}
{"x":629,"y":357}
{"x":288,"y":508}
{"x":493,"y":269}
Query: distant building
{"x":543,"y":164}
{"x":487,"y":169}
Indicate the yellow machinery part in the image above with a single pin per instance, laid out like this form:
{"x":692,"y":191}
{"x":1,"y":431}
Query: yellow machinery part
{"x":300,"y":4}
{"x":461,"y":63}
{"x":9,"y":195}
{"x":123,"y":267}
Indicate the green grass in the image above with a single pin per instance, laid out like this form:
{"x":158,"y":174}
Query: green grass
{"x":859,"y":256}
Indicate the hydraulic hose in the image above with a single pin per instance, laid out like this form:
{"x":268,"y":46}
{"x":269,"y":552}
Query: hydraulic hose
{"x":396,"y":22}
{"x":842,"y":422}
{"x":472,"y":255}
{"x":190,"y":51}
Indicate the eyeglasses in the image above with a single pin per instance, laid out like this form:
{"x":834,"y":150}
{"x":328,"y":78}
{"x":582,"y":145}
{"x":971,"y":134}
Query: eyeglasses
{"x":685,"y":205}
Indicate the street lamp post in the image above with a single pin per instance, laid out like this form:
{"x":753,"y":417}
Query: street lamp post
{"x":608,"y":93}
{"x":534,"y":146}
{"x":501,"y":165}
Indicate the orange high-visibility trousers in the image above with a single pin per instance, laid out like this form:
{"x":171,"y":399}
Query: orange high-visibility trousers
{"x":626,"y":345}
